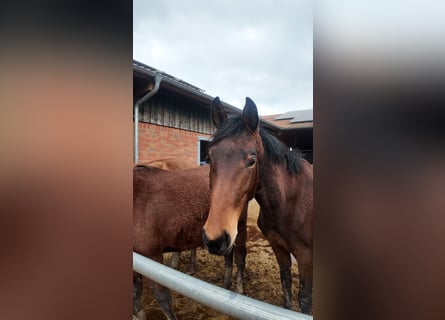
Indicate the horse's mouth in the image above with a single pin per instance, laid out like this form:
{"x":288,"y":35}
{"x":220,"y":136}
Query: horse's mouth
{"x":219,"y":246}
{"x":220,"y":251}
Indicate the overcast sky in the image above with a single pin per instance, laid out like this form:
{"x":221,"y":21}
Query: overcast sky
{"x":232,"y":49}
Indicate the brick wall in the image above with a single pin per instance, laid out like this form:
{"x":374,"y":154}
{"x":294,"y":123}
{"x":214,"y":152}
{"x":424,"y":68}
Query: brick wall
{"x":157,"y":142}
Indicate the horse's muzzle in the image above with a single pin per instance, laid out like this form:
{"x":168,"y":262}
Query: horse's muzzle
{"x":219,"y":246}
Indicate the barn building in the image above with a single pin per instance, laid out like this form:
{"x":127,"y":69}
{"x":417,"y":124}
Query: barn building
{"x":294,"y":128}
{"x":174,"y":120}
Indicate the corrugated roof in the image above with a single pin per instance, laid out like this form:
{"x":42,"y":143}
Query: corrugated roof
{"x":288,"y":120}
{"x":179,"y":84}
{"x":164,"y":75}
{"x":297,"y":116}
{"x":291,"y":119}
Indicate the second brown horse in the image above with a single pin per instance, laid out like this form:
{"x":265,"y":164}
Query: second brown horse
{"x":169,"y":211}
{"x":172,"y":164}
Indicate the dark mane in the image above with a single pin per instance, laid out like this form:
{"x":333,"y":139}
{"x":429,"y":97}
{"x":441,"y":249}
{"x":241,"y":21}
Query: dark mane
{"x":278,"y":152}
{"x":275,"y":150}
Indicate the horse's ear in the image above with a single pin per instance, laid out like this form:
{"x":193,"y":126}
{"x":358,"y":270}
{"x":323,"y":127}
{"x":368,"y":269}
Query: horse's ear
{"x":219,"y":115}
{"x":250,"y":115}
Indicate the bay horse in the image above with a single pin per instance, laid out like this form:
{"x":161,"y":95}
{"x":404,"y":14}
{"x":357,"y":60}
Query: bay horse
{"x":246,"y":162}
{"x":169,"y":211}
{"x":176,"y":164}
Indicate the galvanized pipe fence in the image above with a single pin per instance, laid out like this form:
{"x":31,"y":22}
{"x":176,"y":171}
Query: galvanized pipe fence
{"x":228,"y":302}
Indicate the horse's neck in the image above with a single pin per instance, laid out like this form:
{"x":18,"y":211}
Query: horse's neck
{"x":268,"y":185}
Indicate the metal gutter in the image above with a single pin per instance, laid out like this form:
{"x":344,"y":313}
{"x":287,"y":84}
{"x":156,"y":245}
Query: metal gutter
{"x":158,"y":80}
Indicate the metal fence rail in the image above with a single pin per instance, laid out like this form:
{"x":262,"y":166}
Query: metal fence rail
{"x":228,"y":302}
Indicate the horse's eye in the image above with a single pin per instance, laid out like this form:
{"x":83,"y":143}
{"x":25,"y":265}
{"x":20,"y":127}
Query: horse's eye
{"x":251,"y":162}
{"x":207,"y":159}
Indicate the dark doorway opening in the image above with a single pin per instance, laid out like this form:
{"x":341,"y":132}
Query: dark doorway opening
{"x":203,"y":148}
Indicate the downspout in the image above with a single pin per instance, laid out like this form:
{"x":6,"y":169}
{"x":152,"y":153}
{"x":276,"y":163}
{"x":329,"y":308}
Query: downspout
{"x":136,"y":116}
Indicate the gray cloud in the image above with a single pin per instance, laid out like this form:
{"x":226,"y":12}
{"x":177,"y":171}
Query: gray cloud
{"x":234,"y":49}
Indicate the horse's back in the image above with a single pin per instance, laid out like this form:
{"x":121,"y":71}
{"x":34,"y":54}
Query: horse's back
{"x":151,"y":182}
{"x":170,"y":163}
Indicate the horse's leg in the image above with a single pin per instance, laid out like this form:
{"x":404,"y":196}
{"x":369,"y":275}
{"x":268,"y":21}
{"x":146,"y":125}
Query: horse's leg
{"x":240,"y":250}
{"x":191,"y":268}
{"x":162,"y":295}
{"x":305,"y":275}
{"x":228,"y":264}
{"x":174,"y":260}
{"x":138,"y":312}
{"x":240,"y":260}
{"x":284,"y":262}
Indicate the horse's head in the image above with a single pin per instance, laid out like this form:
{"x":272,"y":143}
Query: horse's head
{"x":233,"y":155}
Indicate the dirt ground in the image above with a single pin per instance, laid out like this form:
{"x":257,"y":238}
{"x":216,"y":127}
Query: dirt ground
{"x":262,"y":278}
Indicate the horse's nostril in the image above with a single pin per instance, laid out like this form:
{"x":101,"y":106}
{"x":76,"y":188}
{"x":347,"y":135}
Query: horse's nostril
{"x":219,"y":246}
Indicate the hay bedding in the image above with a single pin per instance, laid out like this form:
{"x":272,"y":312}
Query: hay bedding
{"x":262,"y":279}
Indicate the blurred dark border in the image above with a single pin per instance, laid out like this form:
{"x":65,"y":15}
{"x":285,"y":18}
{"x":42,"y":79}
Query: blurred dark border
{"x":65,"y":177}
{"x":379,"y":171}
